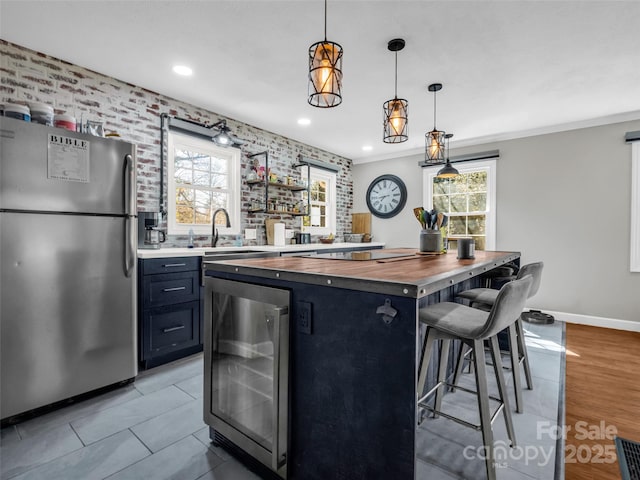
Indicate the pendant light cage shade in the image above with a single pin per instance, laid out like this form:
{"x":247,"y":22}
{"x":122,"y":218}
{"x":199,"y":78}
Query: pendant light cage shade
{"x":434,"y":140}
{"x":434,"y":146}
{"x":325,"y":74}
{"x":396,"y":120}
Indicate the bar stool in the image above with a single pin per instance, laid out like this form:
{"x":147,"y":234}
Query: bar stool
{"x":484,"y":298}
{"x":448,"y":321}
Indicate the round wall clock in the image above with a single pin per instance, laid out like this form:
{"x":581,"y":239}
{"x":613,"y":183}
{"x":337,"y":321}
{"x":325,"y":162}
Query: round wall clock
{"x":386,"y":196}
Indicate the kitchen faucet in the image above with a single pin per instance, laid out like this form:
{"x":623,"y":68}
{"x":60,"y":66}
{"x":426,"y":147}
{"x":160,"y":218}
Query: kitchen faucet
{"x":214,"y":230}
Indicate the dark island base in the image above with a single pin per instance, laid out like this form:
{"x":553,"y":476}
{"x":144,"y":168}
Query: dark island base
{"x":352,"y":409}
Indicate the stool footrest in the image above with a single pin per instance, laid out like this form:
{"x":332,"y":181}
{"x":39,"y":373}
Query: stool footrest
{"x":451,"y":417}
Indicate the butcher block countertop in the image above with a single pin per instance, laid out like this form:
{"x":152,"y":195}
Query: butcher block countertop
{"x":413,"y":275}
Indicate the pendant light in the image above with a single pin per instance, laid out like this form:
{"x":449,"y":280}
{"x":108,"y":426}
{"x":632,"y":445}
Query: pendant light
{"x":447,"y":171}
{"x":434,"y":140}
{"x":395,"y":111}
{"x":325,"y":71}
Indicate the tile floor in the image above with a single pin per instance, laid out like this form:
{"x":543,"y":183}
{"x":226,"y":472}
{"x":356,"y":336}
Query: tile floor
{"x":150,"y":429}
{"x":154,"y":429}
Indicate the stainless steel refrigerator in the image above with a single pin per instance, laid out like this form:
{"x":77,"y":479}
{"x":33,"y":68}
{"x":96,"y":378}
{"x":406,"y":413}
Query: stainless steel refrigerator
{"x":68,"y":239}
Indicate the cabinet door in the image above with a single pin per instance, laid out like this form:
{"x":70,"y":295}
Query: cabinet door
{"x":170,"y":288}
{"x":170,"y":328}
{"x":152,"y":266}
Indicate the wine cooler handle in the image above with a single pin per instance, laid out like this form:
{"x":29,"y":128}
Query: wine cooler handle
{"x":280,"y":362}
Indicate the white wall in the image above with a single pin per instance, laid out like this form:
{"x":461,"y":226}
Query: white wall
{"x":562,"y":198}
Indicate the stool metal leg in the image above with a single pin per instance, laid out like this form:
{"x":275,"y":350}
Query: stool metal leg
{"x":514,"y":354}
{"x":483,"y":406}
{"x":442,"y":374}
{"x":502,"y":388}
{"x":459,"y":365}
{"x":522,"y":348}
{"x":427,"y":351}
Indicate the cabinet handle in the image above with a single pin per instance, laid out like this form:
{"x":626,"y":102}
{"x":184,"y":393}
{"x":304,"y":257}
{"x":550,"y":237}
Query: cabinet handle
{"x":169,"y":265}
{"x":174,"y":289}
{"x":172,"y":329}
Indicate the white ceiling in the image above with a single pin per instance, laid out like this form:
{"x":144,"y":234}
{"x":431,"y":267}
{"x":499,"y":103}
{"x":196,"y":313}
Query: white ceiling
{"x":507,"y":66}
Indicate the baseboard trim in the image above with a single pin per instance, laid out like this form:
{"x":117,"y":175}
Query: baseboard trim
{"x":614,"y":323}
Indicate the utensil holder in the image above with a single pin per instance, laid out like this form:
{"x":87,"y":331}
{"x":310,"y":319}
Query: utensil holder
{"x":431,"y":241}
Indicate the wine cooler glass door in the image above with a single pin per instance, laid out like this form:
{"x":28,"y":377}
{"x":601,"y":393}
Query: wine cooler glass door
{"x":247,"y":355}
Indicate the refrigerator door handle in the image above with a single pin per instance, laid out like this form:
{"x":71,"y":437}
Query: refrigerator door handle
{"x":129,"y":248}
{"x":128,"y":185}
{"x":129,"y":201}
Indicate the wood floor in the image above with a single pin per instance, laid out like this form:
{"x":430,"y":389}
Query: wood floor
{"x":602,"y":385}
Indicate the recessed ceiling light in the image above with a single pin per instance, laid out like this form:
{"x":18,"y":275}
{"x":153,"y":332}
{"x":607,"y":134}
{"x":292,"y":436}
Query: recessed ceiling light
{"x":304,"y":121}
{"x":367,"y":148}
{"x":182,"y":70}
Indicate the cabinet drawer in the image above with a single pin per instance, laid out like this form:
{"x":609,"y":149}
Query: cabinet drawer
{"x":152,"y":266}
{"x":171,"y":288}
{"x":171,"y":328}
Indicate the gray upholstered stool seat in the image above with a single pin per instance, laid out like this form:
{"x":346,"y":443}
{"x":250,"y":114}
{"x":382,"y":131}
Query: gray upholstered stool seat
{"x":455,"y":319}
{"x":448,"y":321}
{"x":484,"y":298}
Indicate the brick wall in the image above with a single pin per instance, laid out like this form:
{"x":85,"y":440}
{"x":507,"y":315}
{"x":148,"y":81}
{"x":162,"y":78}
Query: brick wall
{"x":134,"y":113}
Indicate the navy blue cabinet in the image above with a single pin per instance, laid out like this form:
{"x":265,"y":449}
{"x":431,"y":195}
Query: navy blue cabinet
{"x":169,"y":309}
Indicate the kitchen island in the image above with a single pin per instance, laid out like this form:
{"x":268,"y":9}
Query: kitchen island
{"x":353,"y":342}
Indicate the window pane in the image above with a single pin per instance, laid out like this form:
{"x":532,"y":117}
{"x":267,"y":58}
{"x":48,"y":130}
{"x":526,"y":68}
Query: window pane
{"x":219,"y":165}
{"x":184,"y":196}
{"x":203,"y":207}
{"x":441,"y":203}
{"x":458,"y":203}
{"x":440,"y":186}
{"x":477,"y":181}
{"x":201,"y":161}
{"x":201,"y":177}
{"x":477,"y":224}
{"x":314,"y":195}
{"x":184,"y":205}
{"x":458,"y":184}
{"x":183,"y":175}
{"x":219,"y":180}
{"x":219,"y":200}
{"x":184,"y":214}
{"x":480,"y":242}
{"x":477,"y":202}
{"x":322,"y":197}
{"x":182,"y":158}
{"x":457,"y":226}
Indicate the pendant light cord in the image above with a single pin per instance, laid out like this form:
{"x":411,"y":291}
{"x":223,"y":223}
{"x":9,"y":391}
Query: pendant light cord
{"x":396,"y":95}
{"x":434,"y":110}
{"x":325,"y":20}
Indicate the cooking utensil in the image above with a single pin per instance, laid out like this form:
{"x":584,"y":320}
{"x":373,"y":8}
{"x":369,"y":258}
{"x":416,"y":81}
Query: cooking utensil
{"x":426,"y":219}
{"x":439,"y":218}
{"x":419,"y":213}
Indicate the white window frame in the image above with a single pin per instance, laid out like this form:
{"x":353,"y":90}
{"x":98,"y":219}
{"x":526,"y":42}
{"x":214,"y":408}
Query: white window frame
{"x":331,"y":179}
{"x":489,"y":166}
{"x":191,"y":142}
{"x":635,"y":208}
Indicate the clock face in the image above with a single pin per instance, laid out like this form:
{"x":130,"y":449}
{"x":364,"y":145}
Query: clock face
{"x":386,"y":196}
